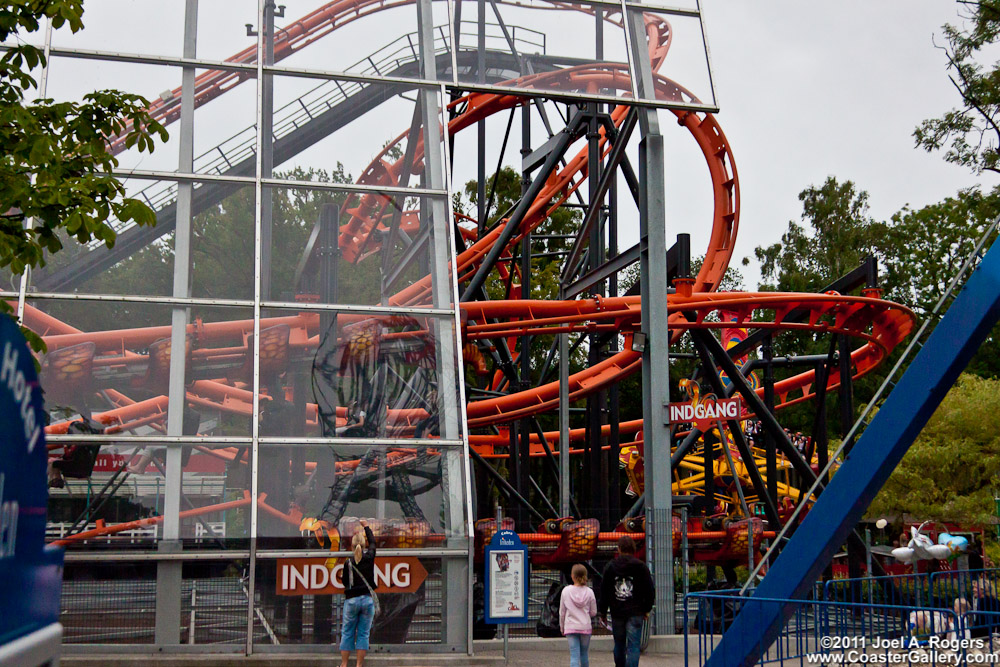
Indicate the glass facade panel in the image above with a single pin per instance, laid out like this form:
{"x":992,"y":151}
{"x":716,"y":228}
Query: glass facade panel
{"x":679,"y":58}
{"x":70,"y":79}
{"x":363,"y":249}
{"x":142,"y":260}
{"x":123,"y":26}
{"x":408,"y":494}
{"x":224,"y":133}
{"x":350,"y":131}
{"x":111,"y":496}
{"x":357,"y":376}
{"x":119,"y":375}
{"x":371,"y":39}
{"x":541,"y":45}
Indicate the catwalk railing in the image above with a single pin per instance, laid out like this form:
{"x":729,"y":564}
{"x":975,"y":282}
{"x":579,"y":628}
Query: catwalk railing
{"x":388,"y":60}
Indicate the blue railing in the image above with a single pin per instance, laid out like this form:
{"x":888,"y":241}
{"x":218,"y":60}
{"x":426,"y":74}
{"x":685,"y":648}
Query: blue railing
{"x":933,"y":589}
{"x":834,"y":632}
{"x":918,"y":619}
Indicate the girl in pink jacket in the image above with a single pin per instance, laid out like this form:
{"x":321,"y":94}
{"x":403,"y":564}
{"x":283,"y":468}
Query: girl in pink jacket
{"x":577,"y":605}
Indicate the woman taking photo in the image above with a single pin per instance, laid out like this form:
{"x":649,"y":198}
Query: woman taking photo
{"x":359,"y":608}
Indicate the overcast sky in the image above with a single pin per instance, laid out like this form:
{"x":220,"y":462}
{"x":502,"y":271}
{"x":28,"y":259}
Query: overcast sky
{"x":806,"y":90}
{"x":809,"y":90}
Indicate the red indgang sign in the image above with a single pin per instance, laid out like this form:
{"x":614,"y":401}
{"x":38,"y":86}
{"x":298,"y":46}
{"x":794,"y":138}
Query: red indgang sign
{"x":705,"y":414}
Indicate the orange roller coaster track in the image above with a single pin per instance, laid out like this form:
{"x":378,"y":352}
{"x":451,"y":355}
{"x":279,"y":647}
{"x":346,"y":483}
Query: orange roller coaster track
{"x":879,"y":325}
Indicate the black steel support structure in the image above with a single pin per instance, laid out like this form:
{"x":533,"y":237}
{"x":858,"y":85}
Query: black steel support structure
{"x":522,"y":428}
{"x":715,"y":382}
{"x":770,"y":448}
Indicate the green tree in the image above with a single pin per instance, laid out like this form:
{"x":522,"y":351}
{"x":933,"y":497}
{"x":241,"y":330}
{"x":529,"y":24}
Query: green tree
{"x":950,"y":472}
{"x":970,"y":133}
{"x":55,"y":165}
{"x":222,"y":258}
{"x":838,"y":234}
{"x":926,"y":247}
{"x":546,"y":246}
{"x":546,"y":265}
{"x":834,"y":236}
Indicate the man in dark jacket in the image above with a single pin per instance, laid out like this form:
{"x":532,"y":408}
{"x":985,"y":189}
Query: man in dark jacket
{"x":627,"y":590}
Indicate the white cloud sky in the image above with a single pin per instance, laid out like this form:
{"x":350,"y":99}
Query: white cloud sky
{"x":809,"y":90}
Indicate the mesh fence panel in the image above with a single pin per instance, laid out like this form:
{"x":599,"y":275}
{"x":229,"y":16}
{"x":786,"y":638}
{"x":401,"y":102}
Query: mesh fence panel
{"x":116,"y":611}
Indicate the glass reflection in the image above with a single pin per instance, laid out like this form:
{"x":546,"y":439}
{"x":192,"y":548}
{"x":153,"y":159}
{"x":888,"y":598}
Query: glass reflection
{"x":113,"y":495}
{"x":116,"y":379}
{"x":377,"y":378}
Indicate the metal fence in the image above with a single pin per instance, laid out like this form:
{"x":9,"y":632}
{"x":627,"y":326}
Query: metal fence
{"x":822,"y":632}
{"x":932,"y":589}
{"x":116,"y":610}
{"x":941,"y":618}
{"x":123,"y":611}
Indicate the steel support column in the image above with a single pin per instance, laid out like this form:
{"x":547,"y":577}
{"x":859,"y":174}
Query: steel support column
{"x":595,"y":465}
{"x":655,"y":356}
{"x":770,"y":450}
{"x":564,"y":473}
{"x":457,"y":606}
{"x":168,"y":573}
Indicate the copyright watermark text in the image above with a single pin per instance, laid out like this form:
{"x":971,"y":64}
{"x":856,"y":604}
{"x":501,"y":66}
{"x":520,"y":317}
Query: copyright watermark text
{"x":933,"y":650}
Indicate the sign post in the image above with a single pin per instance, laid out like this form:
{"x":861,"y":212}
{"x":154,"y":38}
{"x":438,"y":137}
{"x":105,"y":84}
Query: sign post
{"x":506,"y":581}
{"x":30,"y":632}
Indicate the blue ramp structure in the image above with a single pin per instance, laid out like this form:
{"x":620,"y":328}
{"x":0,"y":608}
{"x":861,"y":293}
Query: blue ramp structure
{"x":891,"y":432}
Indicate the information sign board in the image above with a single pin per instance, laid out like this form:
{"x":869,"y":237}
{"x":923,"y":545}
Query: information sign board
{"x":506,"y":579}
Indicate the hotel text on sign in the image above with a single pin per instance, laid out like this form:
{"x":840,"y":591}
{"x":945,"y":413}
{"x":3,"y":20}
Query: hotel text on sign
{"x":312,"y":576}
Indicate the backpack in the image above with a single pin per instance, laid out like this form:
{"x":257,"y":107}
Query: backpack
{"x":548,"y":620}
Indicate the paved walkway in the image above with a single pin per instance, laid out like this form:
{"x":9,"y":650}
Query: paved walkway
{"x":555,"y":653}
{"x":662,"y":652}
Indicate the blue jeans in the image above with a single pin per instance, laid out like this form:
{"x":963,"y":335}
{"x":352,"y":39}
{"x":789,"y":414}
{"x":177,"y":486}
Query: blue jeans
{"x":579,"y":647}
{"x":628,"y":640}
{"x":359,"y":613}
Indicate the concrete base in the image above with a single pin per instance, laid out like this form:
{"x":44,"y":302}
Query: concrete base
{"x":658,"y":644}
{"x":489,"y":653}
{"x":275,"y":660}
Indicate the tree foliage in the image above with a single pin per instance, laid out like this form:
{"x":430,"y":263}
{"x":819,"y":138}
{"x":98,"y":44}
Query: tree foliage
{"x":951,"y":470}
{"x":545,"y":267}
{"x":970,"y":134}
{"x":55,"y":165}
{"x":222,"y":258}
{"x":837,"y":234}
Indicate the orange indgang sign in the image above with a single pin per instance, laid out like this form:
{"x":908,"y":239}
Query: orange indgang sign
{"x":312,"y":576}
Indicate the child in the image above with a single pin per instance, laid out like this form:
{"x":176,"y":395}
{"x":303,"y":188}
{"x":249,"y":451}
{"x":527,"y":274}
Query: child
{"x":577,"y":605}
{"x":923,"y":624}
{"x":961,"y":609}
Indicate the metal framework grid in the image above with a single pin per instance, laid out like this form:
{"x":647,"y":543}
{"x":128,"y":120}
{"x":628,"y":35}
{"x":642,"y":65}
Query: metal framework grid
{"x":171,"y":604}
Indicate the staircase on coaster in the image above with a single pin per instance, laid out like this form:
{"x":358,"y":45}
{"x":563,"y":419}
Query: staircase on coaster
{"x":298,"y":125}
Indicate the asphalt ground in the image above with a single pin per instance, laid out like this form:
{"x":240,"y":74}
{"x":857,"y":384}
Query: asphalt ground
{"x":521,"y":653}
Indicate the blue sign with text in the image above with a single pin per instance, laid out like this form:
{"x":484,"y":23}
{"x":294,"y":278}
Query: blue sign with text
{"x":31,"y":572}
{"x":506,"y":579}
